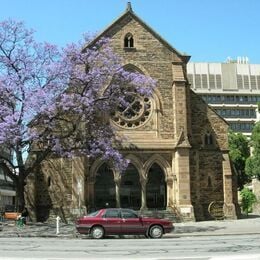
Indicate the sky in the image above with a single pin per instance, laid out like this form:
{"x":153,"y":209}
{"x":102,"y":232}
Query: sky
{"x":208,"y":30}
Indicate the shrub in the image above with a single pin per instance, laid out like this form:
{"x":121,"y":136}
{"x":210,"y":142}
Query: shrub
{"x":248,"y":199}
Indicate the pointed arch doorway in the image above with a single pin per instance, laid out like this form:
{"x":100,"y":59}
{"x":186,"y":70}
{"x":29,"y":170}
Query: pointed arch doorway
{"x":104,"y":190}
{"x":130,"y":191}
{"x":156,"y":188}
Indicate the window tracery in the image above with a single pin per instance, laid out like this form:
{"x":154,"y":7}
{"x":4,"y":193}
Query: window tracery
{"x":134,"y":112}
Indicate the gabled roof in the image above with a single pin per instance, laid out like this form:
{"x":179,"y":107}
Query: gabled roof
{"x":129,"y":12}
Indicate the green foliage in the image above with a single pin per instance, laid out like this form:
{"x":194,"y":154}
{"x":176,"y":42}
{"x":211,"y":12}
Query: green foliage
{"x":253,"y":163}
{"x":248,"y":199}
{"x":239,"y":152}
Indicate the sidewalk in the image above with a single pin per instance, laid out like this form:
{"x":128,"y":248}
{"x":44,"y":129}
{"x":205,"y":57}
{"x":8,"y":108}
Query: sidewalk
{"x":244,"y":226}
{"x":204,"y":228}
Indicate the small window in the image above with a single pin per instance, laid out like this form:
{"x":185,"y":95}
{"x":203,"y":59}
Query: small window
{"x":208,"y":139}
{"x":129,"y":41}
{"x":209,"y":182}
{"x":49,"y":181}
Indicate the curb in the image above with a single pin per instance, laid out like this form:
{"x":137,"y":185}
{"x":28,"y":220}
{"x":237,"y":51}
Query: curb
{"x":177,"y":235}
{"x":166,"y":236}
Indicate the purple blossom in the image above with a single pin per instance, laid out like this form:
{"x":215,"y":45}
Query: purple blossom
{"x":62,"y":97}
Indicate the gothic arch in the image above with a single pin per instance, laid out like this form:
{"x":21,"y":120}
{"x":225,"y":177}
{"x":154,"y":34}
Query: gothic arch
{"x":156,"y":158}
{"x":156,"y":187}
{"x":130,"y":191}
{"x":125,"y":33}
{"x":134,"y":66}
{"x":136,"y":162}
{"x":104,"y":187}
{"x":208,"y":138}
{"x":94,"y":168}
{"x":131,"y":66}
{"x":129,"y":40}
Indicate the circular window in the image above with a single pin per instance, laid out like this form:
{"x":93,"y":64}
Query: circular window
{"x":134,"y":112}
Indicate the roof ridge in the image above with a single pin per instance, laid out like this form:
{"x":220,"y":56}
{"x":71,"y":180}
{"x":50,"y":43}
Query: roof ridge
{"x":129,"y":11}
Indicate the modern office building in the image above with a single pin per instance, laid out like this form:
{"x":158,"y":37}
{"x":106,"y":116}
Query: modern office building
{"x":231,"y":88}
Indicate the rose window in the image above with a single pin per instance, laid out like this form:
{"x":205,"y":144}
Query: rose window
{"x":134,"y":112}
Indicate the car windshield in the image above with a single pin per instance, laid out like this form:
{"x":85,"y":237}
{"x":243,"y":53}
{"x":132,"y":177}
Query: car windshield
{"x":93,"y":214}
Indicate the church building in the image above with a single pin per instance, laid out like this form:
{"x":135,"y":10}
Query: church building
{"x":179,"y":163}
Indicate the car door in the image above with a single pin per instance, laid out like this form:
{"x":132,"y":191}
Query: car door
{"x":131,"y":223}
{"x":111,"y":221}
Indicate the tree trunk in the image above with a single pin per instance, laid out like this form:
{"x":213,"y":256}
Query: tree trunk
{"x":20,"y":202}
{"x":20,"y":183}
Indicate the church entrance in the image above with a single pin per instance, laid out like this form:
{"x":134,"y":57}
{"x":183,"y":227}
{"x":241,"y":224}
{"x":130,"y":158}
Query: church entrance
{"x":130,"y":189}
{"x":130,"y":192}
{"x":104,"y":188}
{"x":156,"y":188}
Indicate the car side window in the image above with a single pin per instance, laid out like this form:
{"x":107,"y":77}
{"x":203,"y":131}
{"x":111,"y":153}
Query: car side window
{"x":128,"y":214}
{"x":111,"y":213}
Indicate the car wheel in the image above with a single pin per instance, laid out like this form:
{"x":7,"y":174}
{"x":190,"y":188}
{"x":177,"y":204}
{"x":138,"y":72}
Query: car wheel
{"x":97,"y":232}
{"x":156,"y":231}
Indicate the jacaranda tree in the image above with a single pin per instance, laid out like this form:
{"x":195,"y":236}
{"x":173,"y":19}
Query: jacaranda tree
{"x":59,"y":101}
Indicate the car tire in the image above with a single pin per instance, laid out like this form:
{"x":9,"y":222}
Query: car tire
{"x":155,"y":231}
{"x":97,"y":232}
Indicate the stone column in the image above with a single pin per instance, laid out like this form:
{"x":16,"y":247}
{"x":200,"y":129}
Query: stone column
{"x":78,"y":184}
{"x":117,"y":180}
{"x":91,"y":190}
{"x":170,"y":192}
{"x":183,"y":194}
{"x":143,"y":181}
{"x":229,"y":207}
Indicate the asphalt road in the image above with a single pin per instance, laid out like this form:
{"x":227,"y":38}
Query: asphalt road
{"x":188,"y":248}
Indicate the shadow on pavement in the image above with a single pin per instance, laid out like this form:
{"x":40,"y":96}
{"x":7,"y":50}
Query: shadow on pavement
{"x":191,"y":229}
{"x":243,"y":216}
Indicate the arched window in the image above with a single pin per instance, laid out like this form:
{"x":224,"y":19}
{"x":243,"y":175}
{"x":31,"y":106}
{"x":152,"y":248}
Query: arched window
{"x":156,"y":188}
{"x":104,"y":188}
{"x":130,"y":192}
{"x":208,"y":139}
{"x":129,"y":41}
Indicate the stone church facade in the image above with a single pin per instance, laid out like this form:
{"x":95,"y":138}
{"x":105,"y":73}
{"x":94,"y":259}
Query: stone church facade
{"x":176,"y":144}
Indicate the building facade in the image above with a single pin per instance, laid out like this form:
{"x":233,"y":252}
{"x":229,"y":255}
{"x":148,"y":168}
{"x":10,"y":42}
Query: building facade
{"x":177,"y":145}
{"x":232,"y":89}
{"x":7,"y":192}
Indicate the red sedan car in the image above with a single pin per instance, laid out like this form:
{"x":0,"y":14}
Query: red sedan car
{"x":116,"y":221}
